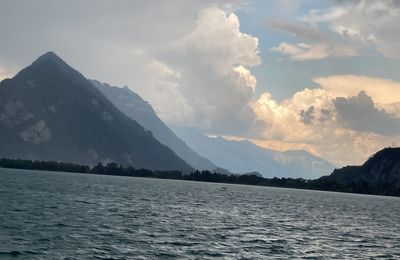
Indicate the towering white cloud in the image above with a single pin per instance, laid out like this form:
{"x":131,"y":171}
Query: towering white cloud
{"x":218,"y":35}
{"x":213,"y":79}
{"x":193,"y":63}
{"x":188,"y":58}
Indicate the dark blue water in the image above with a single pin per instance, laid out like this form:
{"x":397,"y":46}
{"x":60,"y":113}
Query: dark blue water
{"x":75,"y":216}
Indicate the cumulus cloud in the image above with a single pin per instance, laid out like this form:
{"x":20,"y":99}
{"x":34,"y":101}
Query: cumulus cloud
{"x":218,"y":34}
{"x":329,"y":122}
{"x":384,"y":92}
{"x":193,"y":63}
{"x":214,"y":81}
{"x":359,"y":113}
{"x":245,"y":77}
{"x":308,"y":116}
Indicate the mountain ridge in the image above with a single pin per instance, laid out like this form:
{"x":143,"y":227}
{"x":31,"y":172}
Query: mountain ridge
{"x":135,"y":107}
{"x":244,"y":156}
{"x":384,"y":165}
{"x":379,"y":175}
{"x":50,"y":111}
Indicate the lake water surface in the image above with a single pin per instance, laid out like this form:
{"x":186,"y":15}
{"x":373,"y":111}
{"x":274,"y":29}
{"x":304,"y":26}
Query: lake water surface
{"x":47,"y":215}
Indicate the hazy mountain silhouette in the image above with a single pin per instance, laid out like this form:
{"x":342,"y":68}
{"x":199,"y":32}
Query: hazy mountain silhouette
{"x":244,"y":156}
{"x":49,"y":111}
{"x":136,"y":108}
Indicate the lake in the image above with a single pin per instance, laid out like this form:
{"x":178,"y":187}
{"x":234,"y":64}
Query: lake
{"x":51,"y":215}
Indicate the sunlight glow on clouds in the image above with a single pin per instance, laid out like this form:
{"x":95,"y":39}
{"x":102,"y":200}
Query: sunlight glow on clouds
{"x":3,"y":73}
{"x":347,"y":114}
{"x":245,"y":75}
{"x":194,"y":63}
{"x":384,"y":92}
{"x":341,"y":114}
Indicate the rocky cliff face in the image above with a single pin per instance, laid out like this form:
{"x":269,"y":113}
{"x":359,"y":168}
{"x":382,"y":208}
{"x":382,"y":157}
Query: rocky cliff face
{"x":141,"y":111}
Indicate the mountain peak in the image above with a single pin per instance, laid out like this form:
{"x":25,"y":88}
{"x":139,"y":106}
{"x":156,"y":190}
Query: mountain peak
{"x":49,"y":64}
{"x":49,"y":56}
{"x":49,"y":111}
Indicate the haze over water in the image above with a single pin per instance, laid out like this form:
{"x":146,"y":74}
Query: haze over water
{"x":48,"y":215}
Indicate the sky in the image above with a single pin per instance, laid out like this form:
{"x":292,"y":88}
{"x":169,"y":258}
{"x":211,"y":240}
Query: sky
{"x":322,"y":76}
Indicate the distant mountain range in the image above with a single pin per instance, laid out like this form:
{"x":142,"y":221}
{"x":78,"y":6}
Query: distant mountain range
{"x":49,"y":111}
{"x":221,"y":154}
{"x":141,"y":111}
{"x":244,"y":156}
{"x":380,"y":175}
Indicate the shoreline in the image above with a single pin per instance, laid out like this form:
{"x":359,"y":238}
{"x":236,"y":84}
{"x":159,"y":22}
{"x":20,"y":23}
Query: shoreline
{"x":183,"y":178}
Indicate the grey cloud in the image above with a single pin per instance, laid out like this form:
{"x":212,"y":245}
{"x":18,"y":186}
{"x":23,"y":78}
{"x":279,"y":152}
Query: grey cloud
{"x":302,"y":31}
{"x":317,"y":44}
{"x":326,"y":115}
{"x":365,"y":24}
{"x":84,"y":30}
{"x":359,"y":113}
{"x":391,"y":2}
{"x":308,"y":116}
{"x":355,"y":27}
{"x":376,"y":24}
{"x":142,"y":44}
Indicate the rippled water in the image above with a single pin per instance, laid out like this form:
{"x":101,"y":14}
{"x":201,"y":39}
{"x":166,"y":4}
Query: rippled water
{"x":74,"y":216}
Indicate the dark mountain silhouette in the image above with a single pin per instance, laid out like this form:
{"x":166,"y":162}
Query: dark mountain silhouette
{"x":49,"y":111}
{"x":380,"y":174}
{"x":141,"y":111}
{"x":244,"y":156}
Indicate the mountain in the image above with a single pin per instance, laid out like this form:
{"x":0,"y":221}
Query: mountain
{"x":380,"y":174}
{"x":244,"y":156}
{"x":141,"y":111}
{"x":49,"y":111}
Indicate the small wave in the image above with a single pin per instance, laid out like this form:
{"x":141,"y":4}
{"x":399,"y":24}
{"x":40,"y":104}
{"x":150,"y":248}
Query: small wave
{"x":11,"y":253}
{"x":15,"y":253}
